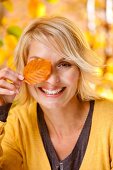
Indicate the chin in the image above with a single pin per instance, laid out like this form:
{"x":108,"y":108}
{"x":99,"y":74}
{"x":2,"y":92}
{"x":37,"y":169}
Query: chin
{"x":51,"y":105}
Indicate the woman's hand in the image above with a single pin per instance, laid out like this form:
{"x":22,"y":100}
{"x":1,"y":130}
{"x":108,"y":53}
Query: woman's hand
{"x":10,"y":83}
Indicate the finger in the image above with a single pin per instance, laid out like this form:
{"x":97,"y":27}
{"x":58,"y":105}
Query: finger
{"x":11,"y":75}
{"x":7,"y":85}
{"x":6,"y":92}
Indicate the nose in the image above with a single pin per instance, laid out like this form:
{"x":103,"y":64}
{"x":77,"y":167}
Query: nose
{"x":54,"y":77}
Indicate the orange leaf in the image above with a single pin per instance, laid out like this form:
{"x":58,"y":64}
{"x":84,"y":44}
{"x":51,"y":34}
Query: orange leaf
{"x":37,"y":71}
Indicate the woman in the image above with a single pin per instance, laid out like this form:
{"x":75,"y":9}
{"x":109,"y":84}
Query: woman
{"x":59,"y":126}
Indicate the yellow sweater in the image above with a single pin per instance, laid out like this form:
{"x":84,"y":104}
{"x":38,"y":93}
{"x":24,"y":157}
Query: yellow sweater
{"x":23,"y":148}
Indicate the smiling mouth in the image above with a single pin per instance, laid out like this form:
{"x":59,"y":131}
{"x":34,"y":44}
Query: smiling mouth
{"x":52,"y":92}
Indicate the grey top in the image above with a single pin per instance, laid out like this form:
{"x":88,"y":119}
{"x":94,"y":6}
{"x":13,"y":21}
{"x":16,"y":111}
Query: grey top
{"x":4,"y":111}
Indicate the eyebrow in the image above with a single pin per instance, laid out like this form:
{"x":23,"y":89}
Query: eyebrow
{"x":62,"y":59}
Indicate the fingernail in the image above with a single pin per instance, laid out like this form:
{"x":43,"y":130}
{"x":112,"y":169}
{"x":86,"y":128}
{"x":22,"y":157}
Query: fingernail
{"x":20,"y":77}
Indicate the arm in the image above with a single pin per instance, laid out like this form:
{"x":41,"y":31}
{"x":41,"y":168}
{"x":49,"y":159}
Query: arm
{"x":11,"y":158}
{"x":1,"y":137}
{"x":10,"y":83}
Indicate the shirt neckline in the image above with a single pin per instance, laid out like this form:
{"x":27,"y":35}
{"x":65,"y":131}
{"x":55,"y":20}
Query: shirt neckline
{"x":77,"y":148}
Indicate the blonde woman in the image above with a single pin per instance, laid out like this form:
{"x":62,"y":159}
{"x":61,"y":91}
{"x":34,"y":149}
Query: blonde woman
{"x":58,"y":124}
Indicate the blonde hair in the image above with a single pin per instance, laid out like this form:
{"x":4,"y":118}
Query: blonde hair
{"x":67,"y":40}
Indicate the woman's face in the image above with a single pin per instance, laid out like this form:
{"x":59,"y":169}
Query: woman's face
{"x":60,"y":88}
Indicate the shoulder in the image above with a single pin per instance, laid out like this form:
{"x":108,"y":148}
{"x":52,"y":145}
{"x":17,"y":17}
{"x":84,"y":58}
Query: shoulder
{"x":22,"y":110}
{"x":104,"y":107}
{"x":21,"y":122}
{"x":22,"y":115}
{"x":104,"y":103}
{"x":103,"y":113}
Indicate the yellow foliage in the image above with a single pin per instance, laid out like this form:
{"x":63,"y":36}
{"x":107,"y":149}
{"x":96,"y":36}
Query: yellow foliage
{"x":108,"y":76}
{"x":41,"y":10}
{"x":88,"y":36}
{"x":7,"y":50}
{"x":6,"y":59}
{"x":36,"y":8}
{"x":10,"y":41}
{"x":3,"y":56}
{"x":110,"y":68}
{"x":10,"y":63}
{"x":96,"y":40}
{"x":8,"y":5}
{"x":109,"y":64}
{"x":99,"y":41}
{"x":4,"y":20}
{"x":53,"y":1}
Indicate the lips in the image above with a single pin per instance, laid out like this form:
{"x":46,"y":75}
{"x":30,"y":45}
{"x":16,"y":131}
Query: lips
{"x":52,"y":91}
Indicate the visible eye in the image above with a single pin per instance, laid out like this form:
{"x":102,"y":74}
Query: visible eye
{"x":64,"y":65}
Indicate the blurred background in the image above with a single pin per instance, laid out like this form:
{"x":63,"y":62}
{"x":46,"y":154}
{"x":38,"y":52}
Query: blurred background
{"x":94,"y":17}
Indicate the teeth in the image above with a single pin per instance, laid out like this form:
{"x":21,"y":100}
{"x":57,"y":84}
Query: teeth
{"x":51,"y":92}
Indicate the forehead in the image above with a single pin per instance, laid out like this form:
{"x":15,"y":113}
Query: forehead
{"x":38,"y":49}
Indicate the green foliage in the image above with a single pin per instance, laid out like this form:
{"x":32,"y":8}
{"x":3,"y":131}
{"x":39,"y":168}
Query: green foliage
{"x":14,"y":30}
{"x":1,"y":43}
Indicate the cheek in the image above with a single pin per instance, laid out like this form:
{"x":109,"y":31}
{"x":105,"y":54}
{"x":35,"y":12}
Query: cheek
{"x":74,"y":77}
{"x":71,"y":76}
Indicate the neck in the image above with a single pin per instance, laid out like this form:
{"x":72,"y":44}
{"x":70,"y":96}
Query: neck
{"x":63,"y":121}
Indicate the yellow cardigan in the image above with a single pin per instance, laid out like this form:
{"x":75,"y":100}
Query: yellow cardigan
{"x":23,"y":148}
